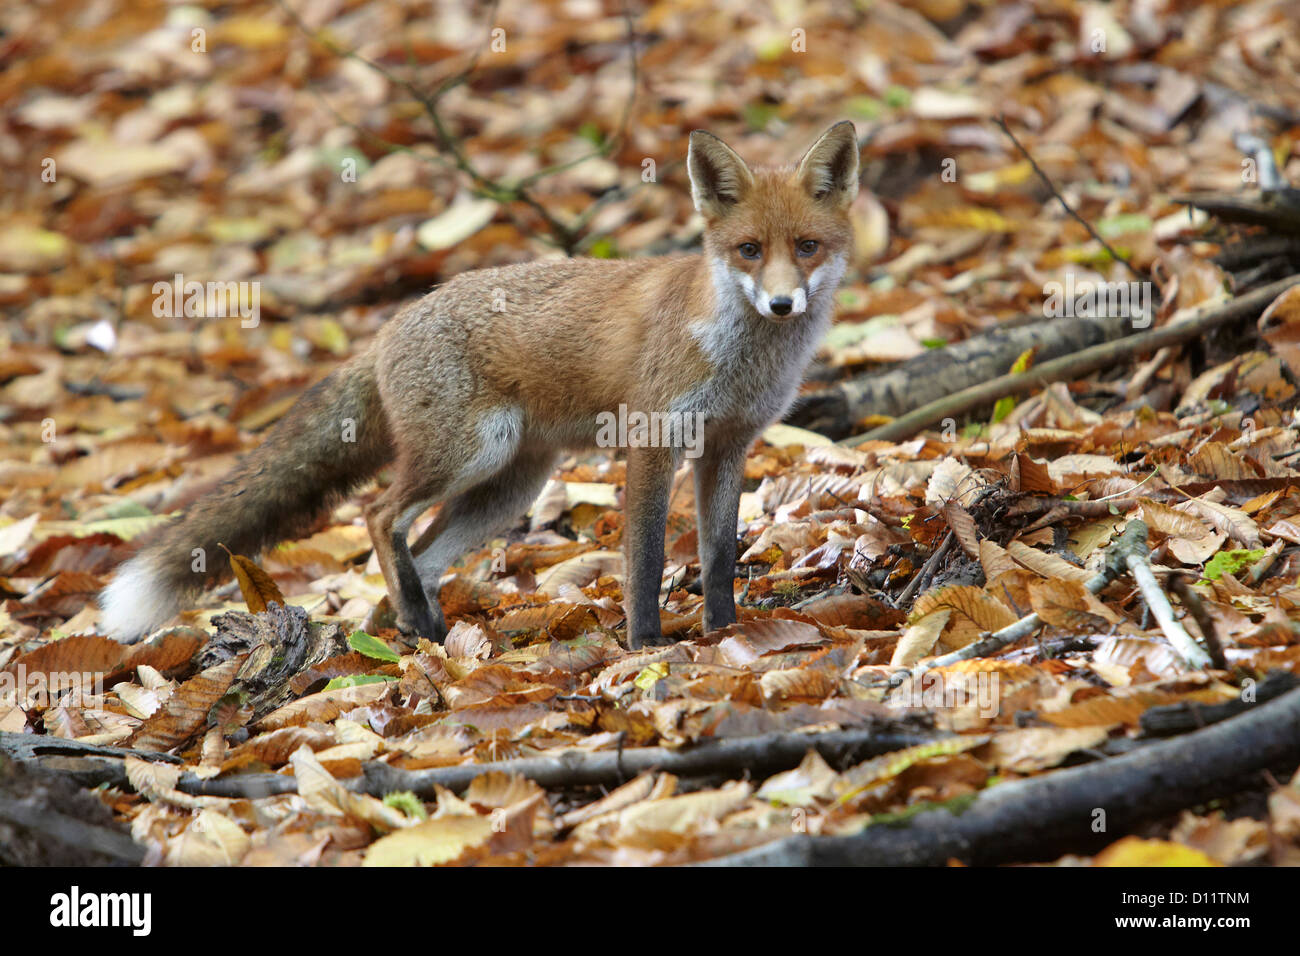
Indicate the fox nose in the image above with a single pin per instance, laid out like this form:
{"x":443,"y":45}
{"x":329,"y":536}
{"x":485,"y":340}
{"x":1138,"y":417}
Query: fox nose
{"x":782,"y":304}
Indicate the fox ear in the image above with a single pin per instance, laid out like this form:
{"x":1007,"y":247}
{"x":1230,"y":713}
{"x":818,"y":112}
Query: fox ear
{"x":719,"y":177}
{"x":829,"y":170}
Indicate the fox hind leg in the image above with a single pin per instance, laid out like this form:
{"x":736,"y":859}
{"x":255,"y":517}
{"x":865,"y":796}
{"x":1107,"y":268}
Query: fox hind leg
{"x":480,"y":512}
{"x":388,"y":519}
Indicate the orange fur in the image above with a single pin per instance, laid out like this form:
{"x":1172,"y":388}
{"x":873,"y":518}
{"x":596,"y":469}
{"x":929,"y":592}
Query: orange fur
{"x":474,"y":390}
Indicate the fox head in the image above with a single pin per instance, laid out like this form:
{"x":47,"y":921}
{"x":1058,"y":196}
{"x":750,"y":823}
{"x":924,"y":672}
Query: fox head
{"x":780,"y":237}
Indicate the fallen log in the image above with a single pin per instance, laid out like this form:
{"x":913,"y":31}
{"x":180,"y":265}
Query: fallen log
{"x":835,"y":410}
{"x":1105,"y":355}
{"x":1074,"y":810}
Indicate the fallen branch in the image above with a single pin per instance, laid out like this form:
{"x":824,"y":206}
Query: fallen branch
{"x":836,"y":409}
{"x":1058,"y":812}
{"x":760,"y":755}
{"x":1106,"y":355}
{"x":1167,"y":720}
{"x":1196,"y":608}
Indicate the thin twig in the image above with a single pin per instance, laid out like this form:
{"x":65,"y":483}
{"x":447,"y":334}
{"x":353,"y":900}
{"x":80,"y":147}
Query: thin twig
{"x":922,"y":577}
{"x":1140,"y":274}
{"x":1196,"y":608}
{"x":566,"y":236}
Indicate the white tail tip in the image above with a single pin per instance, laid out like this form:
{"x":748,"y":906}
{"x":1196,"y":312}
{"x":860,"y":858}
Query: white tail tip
{"x":136,"y":602}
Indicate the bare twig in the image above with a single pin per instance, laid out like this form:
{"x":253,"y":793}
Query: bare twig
{"x":567,"y":236}
{"x":922,"y":577}
{"x":1140,"y":274}
{"x":1196,"y":608}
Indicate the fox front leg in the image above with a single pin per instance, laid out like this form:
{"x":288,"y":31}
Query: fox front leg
{"x":649,"y":480}
{"x":719,"y":473}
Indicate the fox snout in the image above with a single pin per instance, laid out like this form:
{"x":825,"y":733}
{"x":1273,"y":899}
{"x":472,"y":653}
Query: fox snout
{"x":784,"y":304}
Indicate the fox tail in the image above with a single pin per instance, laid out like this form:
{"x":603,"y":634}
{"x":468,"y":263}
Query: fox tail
{"x":333,"y":439}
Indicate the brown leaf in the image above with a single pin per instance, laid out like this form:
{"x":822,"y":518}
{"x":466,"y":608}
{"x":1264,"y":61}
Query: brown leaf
{"x":186,"y":710}
{"x":256,"y":585}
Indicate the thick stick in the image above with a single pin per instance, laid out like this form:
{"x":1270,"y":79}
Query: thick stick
{"x":1089,"y":360}
{"x":1077,"y":809}
{"x":761,"y":754}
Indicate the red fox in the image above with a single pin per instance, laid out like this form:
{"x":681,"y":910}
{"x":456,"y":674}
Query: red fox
{"x":473,"y":391}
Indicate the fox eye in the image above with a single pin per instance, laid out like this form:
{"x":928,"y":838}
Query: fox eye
{"x":749,"y":250}
{"x":807,"y":247}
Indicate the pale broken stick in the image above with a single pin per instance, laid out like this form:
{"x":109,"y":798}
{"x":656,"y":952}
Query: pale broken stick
{"x":1185,"y":646}
{"x":1132,"y":543}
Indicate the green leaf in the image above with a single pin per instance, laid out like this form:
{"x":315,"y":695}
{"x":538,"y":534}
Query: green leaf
{"x":1004,"y":407}
{"x":356,"y":680}
{"x":758,"y":115}
{"x":865,"y":107}
{"x":1113,"y":226}
{"x":408,"y":803}
{"x":898,"y":96}
{"x":603,"y":248}
{"x":363,"y":643}
{"x":1231,"y":562}
{"x":935,"y":343}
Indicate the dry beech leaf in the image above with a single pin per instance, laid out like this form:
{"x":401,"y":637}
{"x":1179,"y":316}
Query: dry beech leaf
{"x":1048,"y":565}
{"x":580,"y":571}
{"x":77,"y":654}
{"x":256,"y":585}
{"x":952,"y":480}
{"x":975,"y":612}
{"x":1032,"y":476}
{"x":807,"y":783}
{"x":682,"y":814}
{"x":1230,"y":842}
{"x":644,"y":786}
{"x":963,"y":526}
{"x":1233,"y":522}
{"x":1216,"y":460}
{"x":797,"y":684}
{"x":1191,"y":540}
{"x":323,"y":794}
{"x":324,"y":706}
{"x":995,"y":560}
{"x":919,"y":639}
{"x":1067,"y":604}
{"x":211,"y":839}
{"x":440,"y":840}
{"x":748,"y":641}
{"x":468,"y":640}
{"x":1031,"y":749}
{"x":186,"y":710}
{"x":853,"y":610}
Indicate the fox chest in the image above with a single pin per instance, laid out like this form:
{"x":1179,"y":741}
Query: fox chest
{"x":756,"y":369}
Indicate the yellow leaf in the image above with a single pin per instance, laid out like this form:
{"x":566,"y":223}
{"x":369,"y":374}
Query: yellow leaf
{"x":427,"y":844}
{"x":1133,"y":851}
